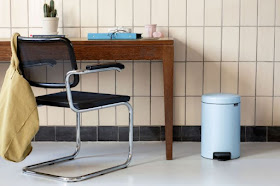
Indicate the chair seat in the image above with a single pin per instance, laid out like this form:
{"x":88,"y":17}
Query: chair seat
{"x":81,"y":100}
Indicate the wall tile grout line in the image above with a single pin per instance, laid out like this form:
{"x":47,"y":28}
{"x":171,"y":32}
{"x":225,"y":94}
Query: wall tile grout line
{"x":238,"y":68}
{"x":98,"y":77}
{"x":203,"y":49}
{"x":62,"y":22}
{"x":266,"y":133}
{"x":186,"y":54}
{"x":115,"y":73}
{"x":116,"y":117}
{"x":242,"y":26}
{"x":274,"y":53}
{"x":239,"y":30}
{"x":132,"y":7}
{"x":115,"y":12}
{"x":141,"y":26}
{"x":11,"y":18}
{"x":80,"y":14}
{"x":81,"y":88}
{"x":150,"y":62}
{"x":151,"y":4}
{"x":97,"y":12}
{"x":133,"y":65}
{"x":28,"y":15}
{"x":221,"y":52}
{"x":132,"y":91}
{"x":256,"y":68}
{"x":55,"y":138}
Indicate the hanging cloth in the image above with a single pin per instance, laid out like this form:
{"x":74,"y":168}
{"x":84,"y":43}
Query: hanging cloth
{"x":19,"y":121}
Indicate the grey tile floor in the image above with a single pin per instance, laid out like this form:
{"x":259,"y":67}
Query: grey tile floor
{"x":259,"y":165}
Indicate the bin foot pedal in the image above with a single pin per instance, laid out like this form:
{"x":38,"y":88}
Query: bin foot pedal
{"x":222,"y":156}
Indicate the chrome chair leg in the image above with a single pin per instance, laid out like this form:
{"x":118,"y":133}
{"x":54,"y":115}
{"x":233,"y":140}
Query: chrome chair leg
{"x":30,"y":169}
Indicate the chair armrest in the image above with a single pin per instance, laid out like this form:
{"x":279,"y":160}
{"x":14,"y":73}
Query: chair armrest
{"x":89,"y":69}
{"x":105,"y":65}
{"x":97,"y":68}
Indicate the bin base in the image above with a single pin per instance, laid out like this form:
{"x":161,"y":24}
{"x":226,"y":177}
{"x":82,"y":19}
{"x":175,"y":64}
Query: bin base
{"x":211,"y":158}
{"x":222,"y":156}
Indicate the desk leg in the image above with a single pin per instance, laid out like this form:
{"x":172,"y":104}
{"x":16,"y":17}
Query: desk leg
{"x":168,"y":63}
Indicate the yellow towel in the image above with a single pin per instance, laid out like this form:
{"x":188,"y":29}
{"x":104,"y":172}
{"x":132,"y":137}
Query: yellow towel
{"x":19,"y":121}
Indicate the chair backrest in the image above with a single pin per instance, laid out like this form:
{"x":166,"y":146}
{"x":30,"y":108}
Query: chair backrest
{"x":44,"y":62}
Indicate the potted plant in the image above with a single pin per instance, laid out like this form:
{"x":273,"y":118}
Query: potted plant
{"x":50,"y":21}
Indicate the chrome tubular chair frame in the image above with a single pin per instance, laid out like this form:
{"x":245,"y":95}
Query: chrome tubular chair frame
{"x":30,"y":169}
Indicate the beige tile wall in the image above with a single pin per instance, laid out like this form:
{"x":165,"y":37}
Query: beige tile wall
{"x":230,"y":46}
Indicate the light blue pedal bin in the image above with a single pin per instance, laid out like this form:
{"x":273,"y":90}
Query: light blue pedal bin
{"x":220,"y":127}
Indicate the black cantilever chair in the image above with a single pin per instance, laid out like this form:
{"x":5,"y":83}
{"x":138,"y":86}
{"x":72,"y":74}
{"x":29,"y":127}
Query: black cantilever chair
{"x":41,"y":55}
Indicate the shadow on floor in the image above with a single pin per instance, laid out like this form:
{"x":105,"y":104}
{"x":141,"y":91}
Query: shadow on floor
{"x":258,"y":148}
{"x":247,"y":149}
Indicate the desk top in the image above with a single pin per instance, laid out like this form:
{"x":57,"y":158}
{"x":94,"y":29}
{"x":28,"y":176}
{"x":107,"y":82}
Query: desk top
{"x":85,"y":41}
{"x":140,"y":49}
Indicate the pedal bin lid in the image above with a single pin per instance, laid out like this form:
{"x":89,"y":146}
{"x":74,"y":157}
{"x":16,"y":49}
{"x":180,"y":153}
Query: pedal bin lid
{"x":221,"y":98}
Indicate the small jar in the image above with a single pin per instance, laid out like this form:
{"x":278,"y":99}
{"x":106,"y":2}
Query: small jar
{"x":150,"y":29}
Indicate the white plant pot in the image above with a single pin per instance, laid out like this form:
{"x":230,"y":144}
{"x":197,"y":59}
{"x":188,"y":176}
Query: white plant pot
{"x":50,"y":25}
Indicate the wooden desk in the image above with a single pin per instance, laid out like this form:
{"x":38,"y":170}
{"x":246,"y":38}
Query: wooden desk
{"x":161,"y":49}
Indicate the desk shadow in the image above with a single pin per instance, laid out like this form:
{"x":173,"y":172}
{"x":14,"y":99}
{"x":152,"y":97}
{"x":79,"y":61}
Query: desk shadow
{"x":189,"y":149}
